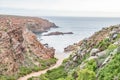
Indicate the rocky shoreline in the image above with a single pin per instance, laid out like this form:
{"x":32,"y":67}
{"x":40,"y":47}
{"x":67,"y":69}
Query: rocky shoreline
{"x":94,"y":39}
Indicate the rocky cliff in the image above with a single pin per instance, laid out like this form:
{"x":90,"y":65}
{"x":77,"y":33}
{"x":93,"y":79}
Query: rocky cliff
{"x":92,"y":40}
{"x":34,"y":24}
{"x":19,"y":47}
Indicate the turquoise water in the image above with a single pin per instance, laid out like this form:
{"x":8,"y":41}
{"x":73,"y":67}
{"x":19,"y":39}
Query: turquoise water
{"x":82,"y":27}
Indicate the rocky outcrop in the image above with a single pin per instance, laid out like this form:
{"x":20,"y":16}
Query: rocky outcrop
{"x":57,"y":33}
{"x":95,"y":38}
{"x":19,"y":46}
{"x":96,"y":46}
{"x":34,"y":24}
{"x":94,"y":51}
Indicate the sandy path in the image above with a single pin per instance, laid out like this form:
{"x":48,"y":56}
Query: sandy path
{"x":59,"y":62}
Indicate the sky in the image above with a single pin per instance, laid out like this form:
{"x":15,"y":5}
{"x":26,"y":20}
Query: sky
{"x":84,"y":8}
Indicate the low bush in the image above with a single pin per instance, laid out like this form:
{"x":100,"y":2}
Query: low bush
{"x":54,"y":74}
{"x":112,"y":70}
{"x":86,"y":74}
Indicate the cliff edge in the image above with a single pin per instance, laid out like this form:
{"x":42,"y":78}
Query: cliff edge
{"x":19,"y":48}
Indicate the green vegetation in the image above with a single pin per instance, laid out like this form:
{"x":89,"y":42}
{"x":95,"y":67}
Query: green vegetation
{"x":47,"y":63}
{"x":112,"y":70}
{"x":91,"y":65}
{"x":2,"y":77}
{"x":44,"y":64}
{"x":86,"y":74}
{"x":112,"y":47}
{"x":60,"y":74}
{"x":53,"y":74}
{"x":103,"y":44}
{"x":65,"y":60}
{"x":118,"y":37}
{"x":26,"y":70}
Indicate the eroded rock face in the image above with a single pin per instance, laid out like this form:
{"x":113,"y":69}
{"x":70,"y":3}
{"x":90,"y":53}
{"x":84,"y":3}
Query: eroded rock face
{"x":19,"y":46}
{"x":32,"y":23}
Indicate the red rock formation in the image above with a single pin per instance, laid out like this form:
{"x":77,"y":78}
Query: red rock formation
{"x":34,"y":24}
{"x":18,"y":45}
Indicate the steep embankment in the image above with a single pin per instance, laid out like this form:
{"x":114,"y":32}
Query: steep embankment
{"x":20,"y":51}
{"x":94,"y":58}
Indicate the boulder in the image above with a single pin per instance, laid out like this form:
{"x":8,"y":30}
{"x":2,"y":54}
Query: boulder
{"x":102,"y":53}
{"x":94,"y":51}
{"x":70,"y":48}
{"x":57,"y":33}
{"x":93,"y":57}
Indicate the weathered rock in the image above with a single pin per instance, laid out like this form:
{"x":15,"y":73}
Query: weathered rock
{"x":102,"y":53}
{"x":32,"y":23}
{"x":93,"y":57}
{"x":70,"y":48}
{"x":57,"y":33}
{"x":19,"y":46}
{"x":94,"y":51}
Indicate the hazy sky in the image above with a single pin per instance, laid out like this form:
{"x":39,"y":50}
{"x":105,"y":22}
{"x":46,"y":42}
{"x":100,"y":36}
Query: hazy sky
{"x":105,"y":8}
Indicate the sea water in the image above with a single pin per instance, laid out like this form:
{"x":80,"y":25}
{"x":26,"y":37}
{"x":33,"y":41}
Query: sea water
{"x":82,"y":27}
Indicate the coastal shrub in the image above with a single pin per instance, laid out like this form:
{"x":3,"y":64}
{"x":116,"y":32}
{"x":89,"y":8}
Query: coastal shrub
{"x":3,"y":77}
{"x":86,"y":74}
{"x":118,"y":37}
{"x":103,"y":44}
{"x":69,"y":77}
{"x":36,"y":68}
{"x":54,"y":74}
{"x":65,"y":60}
{"x":112,"y":70}
{"x":48,"y":62}
{"x":91,"y":65}
{"x":24,"y":71}
{"x":112,"y":47}
{"x":44,"y":64}
{"x":61,"y":79}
